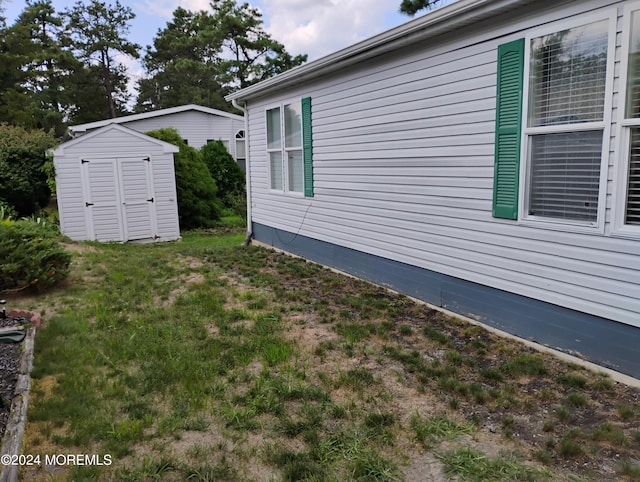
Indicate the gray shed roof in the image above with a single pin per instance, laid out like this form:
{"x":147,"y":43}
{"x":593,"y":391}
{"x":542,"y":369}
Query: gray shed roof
{"x":441,"y":20}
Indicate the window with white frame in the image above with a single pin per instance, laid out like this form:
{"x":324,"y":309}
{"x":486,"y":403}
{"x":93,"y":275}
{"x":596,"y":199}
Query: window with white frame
{"x":284,"y":147}
{"x":565,"y":123}
{"x":630,"y":161}
{"x":241,"y":156}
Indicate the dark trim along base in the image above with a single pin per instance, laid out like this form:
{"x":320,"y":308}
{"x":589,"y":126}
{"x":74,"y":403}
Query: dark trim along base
{"x":600,"y":340}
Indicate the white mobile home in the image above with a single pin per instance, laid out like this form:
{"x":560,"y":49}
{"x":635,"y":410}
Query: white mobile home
{"x":484,"y":157}
{"x":115,"y":184}
{"x":196,"y":124}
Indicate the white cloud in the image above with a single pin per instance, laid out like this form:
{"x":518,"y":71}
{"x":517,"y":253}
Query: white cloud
{"x":314,"y":27}
{"x":165,"y":8}
{"x":320,"y":27}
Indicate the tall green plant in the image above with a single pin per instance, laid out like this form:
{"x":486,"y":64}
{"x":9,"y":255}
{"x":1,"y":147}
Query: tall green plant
{"x":225,"y":171}
{"x":198,"y":203}
{"x":32,"y":257}
{"x":23,"y":181}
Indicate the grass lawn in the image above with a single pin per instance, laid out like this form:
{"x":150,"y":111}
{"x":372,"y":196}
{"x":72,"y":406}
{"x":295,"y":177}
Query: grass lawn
{"x":206,"y":360}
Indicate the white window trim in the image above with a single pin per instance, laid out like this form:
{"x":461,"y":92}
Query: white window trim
{"x":243,"y":139}
{"x":621,"y":166}
{"x":285,"y":168}
{"x":524,"y":218}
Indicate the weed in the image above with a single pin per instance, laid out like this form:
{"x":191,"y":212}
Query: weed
{"x":473,"y":465}
{"x":370,"y":465}
{"x":356,"y":378}
{"x":543,"y":456}
{"x":577,"y":399}
{"x":569,"y":447}
{"x":603,"y":383}
{"x":526,"y":364}
{"x":150,"y":468}
{"x":277,"y":352}
{"x":353,"y":332}
{"x":563,"y":414}
{"x":491,"y":374}
{"x":572,"y":380}
{"x":435,"y":335}
{"x":610,"y":432}
{"x":507,"y":425}
{"x":435,"y":429}
{"x":630,"y":468}
{"x":626,"y":411}
{"x":405,"y":330}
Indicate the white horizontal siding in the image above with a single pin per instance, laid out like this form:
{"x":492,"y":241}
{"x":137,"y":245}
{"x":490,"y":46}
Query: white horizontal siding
{"x":403,"y":169}
{"x":194,"y":126}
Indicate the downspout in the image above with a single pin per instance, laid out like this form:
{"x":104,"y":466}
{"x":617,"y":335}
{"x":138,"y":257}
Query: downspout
{"x":247,"y":164}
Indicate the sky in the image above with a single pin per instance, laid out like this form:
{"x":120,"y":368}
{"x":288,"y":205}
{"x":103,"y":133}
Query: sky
{"x":314,"y":27}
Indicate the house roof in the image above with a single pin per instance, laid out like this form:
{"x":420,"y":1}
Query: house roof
{"x":59,"y":151}
{"x":156,"y":113}
{"x":441,"y":20}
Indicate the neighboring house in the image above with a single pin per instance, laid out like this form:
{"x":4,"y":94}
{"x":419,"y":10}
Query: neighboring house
{"x":116,"y":184}
{"x":196,"y":124}
{"x":484,"y":157}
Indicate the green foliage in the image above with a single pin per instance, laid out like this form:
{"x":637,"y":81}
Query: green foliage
{"x":32,"y":256}
{"x":98,"y":31}
{"x":225,"y":171}
{"x":198,"y":204}
{"x":7,"y":212}
{"x":23,"y":181}
{"x":411,"y":7}
{"x":202,"y":56}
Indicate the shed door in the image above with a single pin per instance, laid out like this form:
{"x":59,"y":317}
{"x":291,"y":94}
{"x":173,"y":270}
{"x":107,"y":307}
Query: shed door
{"x":138,"y":204}
{"x":119,"y":198}
{"x":102,"y":196}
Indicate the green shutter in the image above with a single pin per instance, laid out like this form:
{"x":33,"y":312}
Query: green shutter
{"x":508,"y":128}
{"x":307,"y":146}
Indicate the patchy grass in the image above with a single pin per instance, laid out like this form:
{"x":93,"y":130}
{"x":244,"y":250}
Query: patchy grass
{"x":206,"y":360}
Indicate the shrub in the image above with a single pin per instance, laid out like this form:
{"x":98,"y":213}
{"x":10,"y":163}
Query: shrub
{"x":23,"y":180}
{"x":32,"y":256}
{"x":198,"y":204}
{"x":229,"y":178}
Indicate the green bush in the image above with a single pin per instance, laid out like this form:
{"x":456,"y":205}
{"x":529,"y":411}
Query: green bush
{"x":229,"y":178}
{"x":32,"y":256}
{"x":23,"y":180}
{"x":198,"y":203}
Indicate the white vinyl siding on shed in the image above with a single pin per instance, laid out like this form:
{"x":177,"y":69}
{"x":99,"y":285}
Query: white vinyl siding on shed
{"x":116,"y":185}
{"x":403,"y":153}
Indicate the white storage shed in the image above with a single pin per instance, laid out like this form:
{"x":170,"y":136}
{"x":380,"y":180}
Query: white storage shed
{"x":116,"y":184}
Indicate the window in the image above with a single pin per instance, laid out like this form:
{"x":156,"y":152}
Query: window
{"x":241,"y":156}
{"x":565,"y":122}
{"x":290,"y":164}
{"x":629,"y":187}
{"x":561,"y":124}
